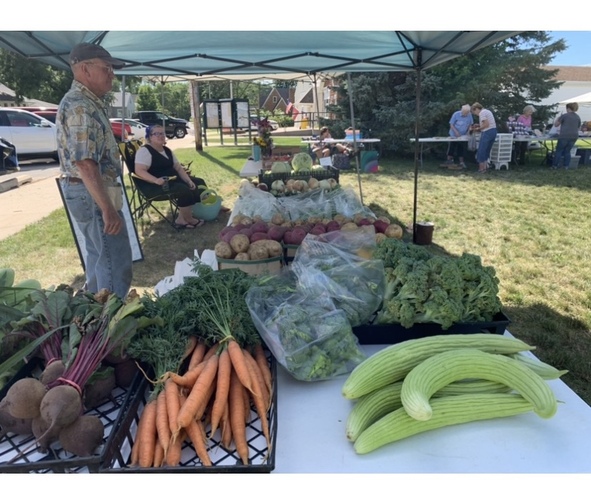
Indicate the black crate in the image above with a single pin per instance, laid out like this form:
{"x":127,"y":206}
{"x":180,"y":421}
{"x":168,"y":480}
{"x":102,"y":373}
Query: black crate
{"x":117,"y":457}
{"x":265,"y":176}
{"x":30,"y":459}
{"x":395,"y":333}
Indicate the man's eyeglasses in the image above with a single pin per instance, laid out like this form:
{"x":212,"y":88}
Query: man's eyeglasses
{"x":158,"y":134}
{"x":107,"y":68}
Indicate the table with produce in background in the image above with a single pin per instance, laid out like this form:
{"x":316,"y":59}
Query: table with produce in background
{"x":311,"y":437}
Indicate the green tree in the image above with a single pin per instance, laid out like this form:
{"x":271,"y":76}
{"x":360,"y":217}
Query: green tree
{"x":147,"y":99}
{"x":503,"y":77}
{"x":32,"y":79}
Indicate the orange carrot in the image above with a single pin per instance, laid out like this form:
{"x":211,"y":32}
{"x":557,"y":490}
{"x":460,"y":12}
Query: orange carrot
{"x":162,"y":426}
{"x":174,"y":452}
{"x":146,"y":435}
{"x":237,"y":417}
{"x":255,"y":373}
{"x":188,"y":378}
{"x":173,"y":404}
{"x":211,"y":351}
{"x":226,"y":428}
{"x":195,"y":432}
{"x":197,"y":355}
{"x":191,"y":344}
{"x":198,"y":393}
{"x":222,"y":390}
{"x":261,"y":359}
{"x":260,"y":402}
{"x":239,"y":364}
{"x":206,"y":400}
{"x":158,"y":455}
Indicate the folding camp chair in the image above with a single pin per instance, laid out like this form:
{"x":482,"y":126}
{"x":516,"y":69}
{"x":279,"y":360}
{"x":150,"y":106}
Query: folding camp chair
{"x":141,"y":203}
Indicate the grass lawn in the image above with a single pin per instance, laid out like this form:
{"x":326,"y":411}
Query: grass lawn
{"x":529,"y":222}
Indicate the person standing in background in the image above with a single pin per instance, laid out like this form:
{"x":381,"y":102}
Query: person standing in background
{"x":524,"y":122}
{"x":569,"y":123}
{"x":488,"y":134}
{"x":459,"y":125}
{"x":90,"y":167}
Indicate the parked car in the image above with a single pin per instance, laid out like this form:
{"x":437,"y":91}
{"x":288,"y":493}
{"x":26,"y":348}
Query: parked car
{"x":174,"y":127}
{"x":44,"y":112}
{"x":137,"y":129}
{"x":117,"y":127}
{"x":32,"y":136}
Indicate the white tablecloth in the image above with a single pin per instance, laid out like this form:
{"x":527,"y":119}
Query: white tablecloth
{"x":311,"y":438}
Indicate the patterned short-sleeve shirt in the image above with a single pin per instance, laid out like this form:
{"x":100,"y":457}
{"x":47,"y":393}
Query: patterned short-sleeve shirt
{"x":84,"y":132}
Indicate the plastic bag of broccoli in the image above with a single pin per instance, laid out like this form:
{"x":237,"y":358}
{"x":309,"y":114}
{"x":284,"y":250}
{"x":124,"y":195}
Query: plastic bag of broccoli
{"x":339,"y":266}
{"x":307,"y":334}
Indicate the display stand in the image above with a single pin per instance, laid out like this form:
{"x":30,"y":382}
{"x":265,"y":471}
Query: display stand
{"x":500,"y":154}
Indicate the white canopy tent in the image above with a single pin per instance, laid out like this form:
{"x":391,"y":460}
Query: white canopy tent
{"x":581,"y":100}
{"x":205,"y":54}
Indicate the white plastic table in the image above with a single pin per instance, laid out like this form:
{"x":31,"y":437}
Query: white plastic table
{"x":311,"y":438}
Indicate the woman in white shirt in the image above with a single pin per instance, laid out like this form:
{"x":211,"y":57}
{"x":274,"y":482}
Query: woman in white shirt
{"x":488,"y":134}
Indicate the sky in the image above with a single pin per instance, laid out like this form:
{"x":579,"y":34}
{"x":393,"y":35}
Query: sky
{"x":577,"y":52}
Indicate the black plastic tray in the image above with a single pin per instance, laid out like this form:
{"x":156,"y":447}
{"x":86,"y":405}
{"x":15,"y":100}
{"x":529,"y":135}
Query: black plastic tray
{"x":57,"y":460}
{"x":395,"y":333}
{"x":262,"y":460}
{"x":267,"y":177}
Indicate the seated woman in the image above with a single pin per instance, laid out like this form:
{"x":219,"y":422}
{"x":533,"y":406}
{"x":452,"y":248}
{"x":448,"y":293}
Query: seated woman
{"x":322,"y":150}
{"x":155,"y":163}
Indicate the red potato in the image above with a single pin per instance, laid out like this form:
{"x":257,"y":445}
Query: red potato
{"x":260,"y":227}
{"x":227,"y":237}
{"x":380,"y":225}
{"x":258,"y":237}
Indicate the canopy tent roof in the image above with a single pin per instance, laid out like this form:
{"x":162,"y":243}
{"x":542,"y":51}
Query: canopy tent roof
{"x":252,"y":53}
{"x":581,"y":100}
{"x":261,"y":54}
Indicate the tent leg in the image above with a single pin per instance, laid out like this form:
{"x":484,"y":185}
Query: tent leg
{"x":417,"y":128}
{"x":350,"y":88}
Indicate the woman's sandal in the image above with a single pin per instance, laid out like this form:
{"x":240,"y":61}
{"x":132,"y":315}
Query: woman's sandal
{"x":190,"y":226}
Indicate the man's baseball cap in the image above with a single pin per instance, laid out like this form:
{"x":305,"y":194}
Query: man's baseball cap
{"x":86,"y":51}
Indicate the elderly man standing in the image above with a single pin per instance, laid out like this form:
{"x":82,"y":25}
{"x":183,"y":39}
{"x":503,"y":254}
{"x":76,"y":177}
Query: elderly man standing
{"x":90,"y":167}
{"x":459,"y":126}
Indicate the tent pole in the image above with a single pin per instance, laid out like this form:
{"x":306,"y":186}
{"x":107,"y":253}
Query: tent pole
{"x":417,"y":128}
{"x":350,"y":91}
{"x":122,"y":106}
{"x":317,"y":104}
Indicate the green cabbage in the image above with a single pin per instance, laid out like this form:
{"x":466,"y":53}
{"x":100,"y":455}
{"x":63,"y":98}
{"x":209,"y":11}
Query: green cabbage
{"x":280,"y":167}
{"x":301,"y":162}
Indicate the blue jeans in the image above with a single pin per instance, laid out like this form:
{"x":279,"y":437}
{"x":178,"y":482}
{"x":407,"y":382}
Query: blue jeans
{"x":487,"y":139}
{"x":563,"y":147}
{"x":108,"y":258}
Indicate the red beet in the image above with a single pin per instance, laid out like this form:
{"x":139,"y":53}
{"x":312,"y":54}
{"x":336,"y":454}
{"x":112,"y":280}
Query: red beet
{"x":83,"y":436}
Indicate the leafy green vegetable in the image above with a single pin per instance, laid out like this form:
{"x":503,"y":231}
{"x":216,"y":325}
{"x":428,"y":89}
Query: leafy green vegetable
{"x":425,"y":288}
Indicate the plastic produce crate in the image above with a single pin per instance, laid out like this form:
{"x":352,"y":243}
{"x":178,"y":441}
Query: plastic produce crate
{"x":395,"y":333}
{"x":19,"y":452}
{"x":265,"y":176}
{"x":262,"y":460}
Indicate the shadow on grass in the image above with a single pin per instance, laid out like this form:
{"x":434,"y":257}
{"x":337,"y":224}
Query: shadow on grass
{"x":560,"y":340}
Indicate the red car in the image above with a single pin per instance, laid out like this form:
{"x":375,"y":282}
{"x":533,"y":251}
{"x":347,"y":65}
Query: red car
{"x":50,"y":114}
{"x":116,"y":126}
